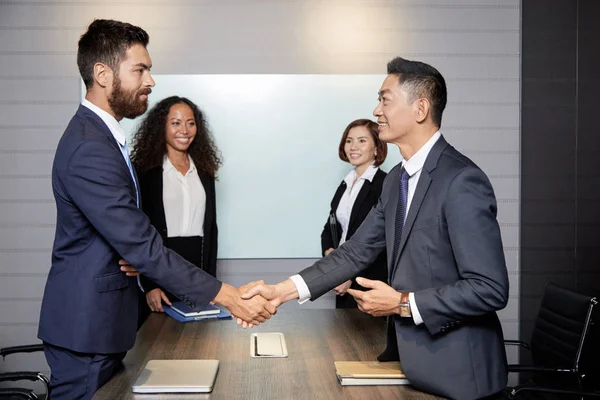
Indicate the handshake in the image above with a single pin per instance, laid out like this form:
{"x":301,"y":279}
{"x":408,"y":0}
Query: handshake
{"x":255,"y":302}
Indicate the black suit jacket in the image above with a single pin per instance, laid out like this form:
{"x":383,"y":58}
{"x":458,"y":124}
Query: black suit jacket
{"x":151,"y":187}
{"x":367,"y":198}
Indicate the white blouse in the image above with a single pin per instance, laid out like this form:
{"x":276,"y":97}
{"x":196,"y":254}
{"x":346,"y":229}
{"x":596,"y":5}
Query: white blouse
{"x":349,"y":197}
{"x":184,"y":199}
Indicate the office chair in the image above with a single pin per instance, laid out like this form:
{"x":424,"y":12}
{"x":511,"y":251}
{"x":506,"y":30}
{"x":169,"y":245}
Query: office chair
{"x":559,"y":343}
{"x":17,"y":392}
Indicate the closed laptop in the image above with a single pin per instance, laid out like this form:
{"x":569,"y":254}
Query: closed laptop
{"x":177,"y":376}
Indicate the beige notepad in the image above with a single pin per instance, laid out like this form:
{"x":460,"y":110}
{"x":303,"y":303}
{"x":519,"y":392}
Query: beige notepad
{"x":370,"y":373}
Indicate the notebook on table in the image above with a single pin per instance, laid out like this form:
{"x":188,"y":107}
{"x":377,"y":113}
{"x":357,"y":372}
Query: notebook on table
{"x":222,"y":314}
{"x":177,"y":376}
{"x":370,"y":373}
{"x":188,"y":311}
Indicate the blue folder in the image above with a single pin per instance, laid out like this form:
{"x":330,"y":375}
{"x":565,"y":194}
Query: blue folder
{"x":223,"y":314}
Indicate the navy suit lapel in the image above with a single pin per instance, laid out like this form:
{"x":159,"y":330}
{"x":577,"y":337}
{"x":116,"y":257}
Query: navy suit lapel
{"x":86,"y":113}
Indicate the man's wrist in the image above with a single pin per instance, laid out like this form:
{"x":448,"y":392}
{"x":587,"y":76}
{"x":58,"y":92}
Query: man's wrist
{"x":404,"y":305}
{"x":286,"y":291}
{"x":225,"y":295}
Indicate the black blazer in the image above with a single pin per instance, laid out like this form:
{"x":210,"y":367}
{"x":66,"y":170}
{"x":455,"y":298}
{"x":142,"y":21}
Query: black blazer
{"x":151,"y":187}
{"x":367,"y":198}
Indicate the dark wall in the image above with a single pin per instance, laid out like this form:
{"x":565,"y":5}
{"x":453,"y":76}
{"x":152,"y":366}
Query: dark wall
{"x":560,"y":150}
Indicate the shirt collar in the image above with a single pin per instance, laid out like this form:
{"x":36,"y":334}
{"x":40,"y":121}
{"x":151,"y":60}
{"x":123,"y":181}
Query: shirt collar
{"x":168,"y":166}
{"x":417,"y":161}
{"x":368,"y":175}
{"x":113,"y":125}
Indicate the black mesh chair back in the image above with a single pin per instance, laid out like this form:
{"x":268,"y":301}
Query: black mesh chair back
{"x":561,"y":328}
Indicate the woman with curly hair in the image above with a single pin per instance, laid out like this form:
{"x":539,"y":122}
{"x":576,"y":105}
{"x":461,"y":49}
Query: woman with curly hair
{"x":177,"y":161}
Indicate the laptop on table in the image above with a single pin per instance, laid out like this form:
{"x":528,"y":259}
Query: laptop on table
{"x":177,"y":376}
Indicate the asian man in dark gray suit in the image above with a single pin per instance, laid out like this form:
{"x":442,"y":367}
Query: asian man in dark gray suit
{"x":437,"y":219}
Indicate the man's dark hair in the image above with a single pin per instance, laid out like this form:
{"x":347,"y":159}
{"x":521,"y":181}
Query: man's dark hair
{"x":420,"y":80}
{"x":106,"y":41}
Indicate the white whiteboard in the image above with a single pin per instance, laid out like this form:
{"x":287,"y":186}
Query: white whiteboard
{"x":279,"y":136}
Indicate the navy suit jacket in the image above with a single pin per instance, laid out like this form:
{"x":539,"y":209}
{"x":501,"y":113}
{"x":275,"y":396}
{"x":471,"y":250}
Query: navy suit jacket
{"x":451,"y":258}
{"x":89,"y":305}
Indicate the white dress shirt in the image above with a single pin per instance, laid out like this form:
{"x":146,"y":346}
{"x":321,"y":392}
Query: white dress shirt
{"x":184,"y":199}
{"x":413,"y":167}
{"x":344,"y":209}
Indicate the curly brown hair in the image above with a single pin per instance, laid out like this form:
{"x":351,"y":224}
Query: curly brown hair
{"x":150,"y":145}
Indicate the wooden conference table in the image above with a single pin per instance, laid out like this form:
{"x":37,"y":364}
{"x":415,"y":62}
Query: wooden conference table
{"x":314,"y":338}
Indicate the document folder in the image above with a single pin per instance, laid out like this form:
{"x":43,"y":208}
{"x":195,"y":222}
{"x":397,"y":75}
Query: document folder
{"x":223,"y":314}
{"x":188,"y":311}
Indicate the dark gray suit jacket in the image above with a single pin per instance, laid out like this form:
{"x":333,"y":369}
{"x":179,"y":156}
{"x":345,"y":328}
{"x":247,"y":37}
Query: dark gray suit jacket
{"x":89,"y":305}
{"x":451,"y":257}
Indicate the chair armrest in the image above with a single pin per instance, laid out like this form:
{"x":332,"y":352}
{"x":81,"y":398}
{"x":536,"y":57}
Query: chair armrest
{"x":21,"y":349}
{"x":11,"y":393}
{"x":517,"y":343}
{"x":541,"y":389}
{"x":24,"y":376}
{"x":533,"y":368}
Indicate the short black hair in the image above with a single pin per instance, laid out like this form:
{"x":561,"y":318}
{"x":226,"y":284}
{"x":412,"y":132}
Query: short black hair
{"x":106,"y":41}
{"x":419,"y":80}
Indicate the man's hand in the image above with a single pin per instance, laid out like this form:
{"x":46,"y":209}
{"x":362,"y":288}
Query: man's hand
{"x":128,"y":269}
{"x":341,"y":289}
{"x":329,"y":250}
{"x":276,"y":294}
{"x":380,"y":301}
{"x":252,"y":310}
{"x":247,"y":286}
{"x":154,"y":298}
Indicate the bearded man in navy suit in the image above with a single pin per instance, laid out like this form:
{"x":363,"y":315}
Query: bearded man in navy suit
{"x":89,"y":311}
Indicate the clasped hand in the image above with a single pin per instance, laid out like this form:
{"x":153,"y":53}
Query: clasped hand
{"x":380,"y":301}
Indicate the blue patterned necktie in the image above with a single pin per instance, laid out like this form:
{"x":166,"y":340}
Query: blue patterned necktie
{"x":401,"y":210}
{"x":128,"y":160}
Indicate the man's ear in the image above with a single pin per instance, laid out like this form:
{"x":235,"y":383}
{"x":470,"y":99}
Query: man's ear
{"x":423,"y":107}
{"x":103,"y":75}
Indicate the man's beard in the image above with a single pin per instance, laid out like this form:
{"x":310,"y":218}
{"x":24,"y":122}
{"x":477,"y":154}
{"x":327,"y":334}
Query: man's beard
{"x":126,"y":103}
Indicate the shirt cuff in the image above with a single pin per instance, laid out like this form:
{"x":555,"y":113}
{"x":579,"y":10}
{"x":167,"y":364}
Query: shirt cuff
{"x":303,"y":292}
{"x":140,"y":284}
{"x":414,"y":310}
